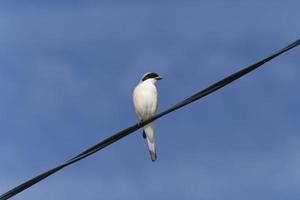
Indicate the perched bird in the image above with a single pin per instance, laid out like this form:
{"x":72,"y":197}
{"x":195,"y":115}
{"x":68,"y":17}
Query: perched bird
{"x":145,"y":103}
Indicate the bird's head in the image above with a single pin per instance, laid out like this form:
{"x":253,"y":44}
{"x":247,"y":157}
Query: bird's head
{"x":151,"y":76}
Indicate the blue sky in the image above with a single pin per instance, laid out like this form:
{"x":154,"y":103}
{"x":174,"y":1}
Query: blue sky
{"x":67,"y":71}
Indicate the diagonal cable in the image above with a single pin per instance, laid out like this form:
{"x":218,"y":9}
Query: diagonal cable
{"x":216,"y":86}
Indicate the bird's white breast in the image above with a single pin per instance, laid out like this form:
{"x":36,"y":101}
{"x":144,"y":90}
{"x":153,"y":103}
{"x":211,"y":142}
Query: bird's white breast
{"x":145,"y":100}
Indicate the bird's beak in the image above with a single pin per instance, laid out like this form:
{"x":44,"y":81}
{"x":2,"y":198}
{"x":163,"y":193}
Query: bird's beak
{"x":159,"y":78}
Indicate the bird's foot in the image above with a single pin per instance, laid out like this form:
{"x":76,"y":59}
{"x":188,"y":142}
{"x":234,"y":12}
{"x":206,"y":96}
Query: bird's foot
{"x":140,"y":122}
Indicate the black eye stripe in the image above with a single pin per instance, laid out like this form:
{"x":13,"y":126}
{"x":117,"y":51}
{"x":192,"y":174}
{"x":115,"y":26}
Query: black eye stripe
{"x":150,"y":75}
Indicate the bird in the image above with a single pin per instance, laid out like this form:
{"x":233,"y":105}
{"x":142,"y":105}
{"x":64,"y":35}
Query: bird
{"x":145,"y":103}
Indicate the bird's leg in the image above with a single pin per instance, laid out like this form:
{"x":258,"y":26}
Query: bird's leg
{"x":140,"y":122}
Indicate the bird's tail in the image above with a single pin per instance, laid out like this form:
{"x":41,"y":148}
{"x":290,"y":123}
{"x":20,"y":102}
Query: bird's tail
{"x":150,"y":140}
{"x":151,"y":146}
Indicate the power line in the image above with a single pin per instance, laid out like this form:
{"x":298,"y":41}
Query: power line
{"x":214,"y":87}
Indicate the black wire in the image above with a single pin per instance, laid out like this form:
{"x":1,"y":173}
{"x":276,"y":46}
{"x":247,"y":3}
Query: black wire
{"x":135,"y":127}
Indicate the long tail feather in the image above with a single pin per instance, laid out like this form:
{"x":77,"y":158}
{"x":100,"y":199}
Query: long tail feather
{"x":148,"y":129}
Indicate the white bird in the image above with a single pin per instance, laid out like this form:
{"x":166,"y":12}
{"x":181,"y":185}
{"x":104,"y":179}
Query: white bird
{"x":145,"y":103}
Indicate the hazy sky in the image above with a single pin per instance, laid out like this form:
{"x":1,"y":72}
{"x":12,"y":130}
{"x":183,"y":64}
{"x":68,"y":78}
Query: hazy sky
{"x":67,"y":71}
